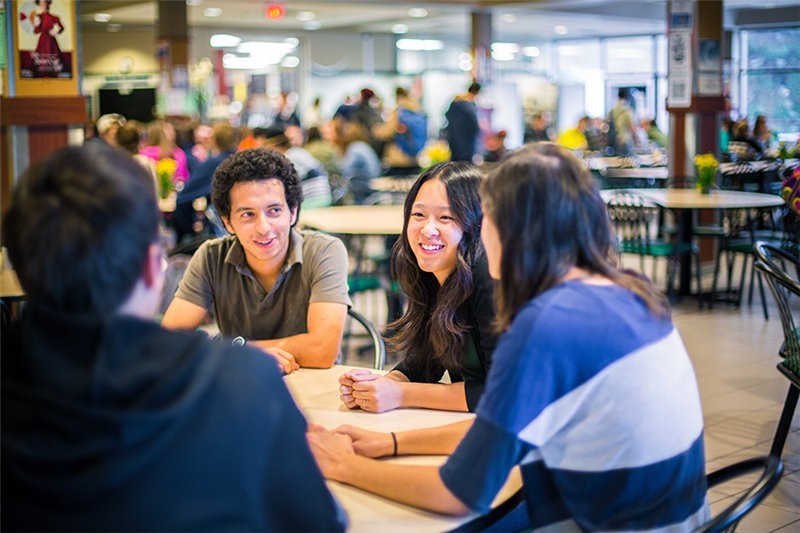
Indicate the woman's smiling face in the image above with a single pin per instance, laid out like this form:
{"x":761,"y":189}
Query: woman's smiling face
{"x":433,"y":233}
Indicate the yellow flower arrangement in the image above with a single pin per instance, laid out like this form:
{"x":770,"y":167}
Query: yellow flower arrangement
{"x":165,"y":170}
{"x":434,"y":153}
{"x":707,"y":166}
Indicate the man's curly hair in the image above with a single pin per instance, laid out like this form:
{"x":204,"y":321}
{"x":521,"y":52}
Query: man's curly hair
{"x":252,"y":165}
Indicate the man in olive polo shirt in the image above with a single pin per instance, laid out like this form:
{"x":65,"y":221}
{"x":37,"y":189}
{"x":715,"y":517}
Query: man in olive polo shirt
{"x":279,"y":288}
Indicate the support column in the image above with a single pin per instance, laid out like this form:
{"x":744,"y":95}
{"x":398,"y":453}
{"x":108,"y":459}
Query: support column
{"x":172,"y":44}
{"x":694,"y":99}
{"x":481,"y":46}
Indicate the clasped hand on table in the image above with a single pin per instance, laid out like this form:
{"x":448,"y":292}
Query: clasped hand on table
{"x":375,"y":393}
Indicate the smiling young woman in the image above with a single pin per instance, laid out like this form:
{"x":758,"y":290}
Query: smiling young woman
{"x":441,"y":267}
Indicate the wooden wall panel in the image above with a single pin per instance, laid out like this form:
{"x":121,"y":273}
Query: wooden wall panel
{"x":44,"y":140}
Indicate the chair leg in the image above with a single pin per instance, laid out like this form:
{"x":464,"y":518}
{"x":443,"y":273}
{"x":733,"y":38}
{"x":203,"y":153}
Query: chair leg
{"x":715,"y":278}
{"x":761,"y":290}
{"x":741,"y":281}
{"x":670,"y":277}
{"x":730,"y":257}
{"x":699,"y":281}
{"x":785,"y":422}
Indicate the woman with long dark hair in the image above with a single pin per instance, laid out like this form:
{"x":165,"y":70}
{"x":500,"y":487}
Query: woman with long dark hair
{"x":441,"y":267}
{"x":591,"y":391}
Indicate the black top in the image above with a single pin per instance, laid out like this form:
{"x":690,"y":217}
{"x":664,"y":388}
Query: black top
{"x":117,"y":424}
{"x":462,"y":129}
{"x":478,"y":312}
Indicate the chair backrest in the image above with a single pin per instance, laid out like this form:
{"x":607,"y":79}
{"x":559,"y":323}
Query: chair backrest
{"x":176,"y":267}
{"x":485,"y":521}
{"x":634,"y":220}
{"x":771,"y":469}
{"x":376,"y":340}
{"x":743,"y":178}
{"x":774,"y":262}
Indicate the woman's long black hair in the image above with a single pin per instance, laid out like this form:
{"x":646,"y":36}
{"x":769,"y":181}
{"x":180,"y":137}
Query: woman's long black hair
{"x":431,"y":325}
{"x":550,"y":217}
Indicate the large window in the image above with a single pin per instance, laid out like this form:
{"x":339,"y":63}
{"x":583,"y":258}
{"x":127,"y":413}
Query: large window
{"x":770,"y":79}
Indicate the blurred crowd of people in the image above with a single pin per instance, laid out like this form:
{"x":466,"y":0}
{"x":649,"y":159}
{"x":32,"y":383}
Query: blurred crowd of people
{"x":337,"y":157}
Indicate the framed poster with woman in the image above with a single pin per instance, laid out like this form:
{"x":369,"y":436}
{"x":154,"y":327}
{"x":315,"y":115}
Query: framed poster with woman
{"x":45,"y":38}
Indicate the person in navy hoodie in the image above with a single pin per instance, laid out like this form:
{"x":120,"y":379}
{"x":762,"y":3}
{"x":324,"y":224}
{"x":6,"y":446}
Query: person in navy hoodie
{"x":111,"y":422}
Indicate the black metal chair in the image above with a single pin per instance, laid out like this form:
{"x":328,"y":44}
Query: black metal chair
{"x":769,"y":466}
{"x":495,"y":515}
{"x":741,"y":228}
{"x":636,"y":224}
{"x":774,"y":262}
{"x":771,"y":469}
{"x":370,"y":332}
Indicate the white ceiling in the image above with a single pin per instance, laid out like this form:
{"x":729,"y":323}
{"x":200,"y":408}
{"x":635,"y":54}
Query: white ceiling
{"x":516,"y":21}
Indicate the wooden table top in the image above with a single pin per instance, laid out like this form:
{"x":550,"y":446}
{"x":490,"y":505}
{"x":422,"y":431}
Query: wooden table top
{"x":693,"y":199}
{"x":9,"y":285}
{"x":316,"y":392}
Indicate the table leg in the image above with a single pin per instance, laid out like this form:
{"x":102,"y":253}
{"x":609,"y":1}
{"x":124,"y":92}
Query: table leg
{"x":685,"y":236}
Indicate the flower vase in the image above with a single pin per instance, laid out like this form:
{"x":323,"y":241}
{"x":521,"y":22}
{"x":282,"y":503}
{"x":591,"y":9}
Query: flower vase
{"x":704,"y":188}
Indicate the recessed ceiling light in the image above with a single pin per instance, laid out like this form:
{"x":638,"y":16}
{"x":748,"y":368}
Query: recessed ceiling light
{"x":306,"y":15}
{"x":399,"y":28}
{"x":193,"y":2}
{"x":504,"y":51}
{"x":560,"y":29}
{"x":224,"y":40}
{"x":102,"y":17}
{"x":311,"y":25}
{"x":114,"y":28}
{"x":531,"y":51}
{"x":465,"y":61}
{"x":212,"y":12}
{"x":290,"y":61}
{"x":292,"y":42}
{"x":418,"y":12}
{"x":508,"y":18}
{"x":419,"y":44}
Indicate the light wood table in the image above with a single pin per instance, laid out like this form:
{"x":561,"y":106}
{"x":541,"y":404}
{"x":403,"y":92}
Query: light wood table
{"x":9,"y":285}
{"x":693,"y":199}
{"x":355,"y":219}
{"x":316,"y":392}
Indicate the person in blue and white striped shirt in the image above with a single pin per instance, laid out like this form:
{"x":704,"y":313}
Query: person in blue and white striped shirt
{"x":591,"y":392}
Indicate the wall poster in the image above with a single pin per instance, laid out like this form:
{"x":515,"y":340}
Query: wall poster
{"x":45,"y":30}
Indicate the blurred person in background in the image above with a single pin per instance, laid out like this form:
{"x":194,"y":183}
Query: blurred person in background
{"x":462,"y":124}
{"x":107,"y":127}
{"x":654,"y":134}
{"x":359,"y":163}
{"x":574,"y":138}
{"x":160,"y":144}
{"x":221,"y":145}
{"x":538,"y":129}
{"x":761,"y":133}
{"x":315,"y":182}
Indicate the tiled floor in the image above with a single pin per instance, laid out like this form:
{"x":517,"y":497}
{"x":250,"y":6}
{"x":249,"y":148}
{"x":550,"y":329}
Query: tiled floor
{"x":734,"y":352}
